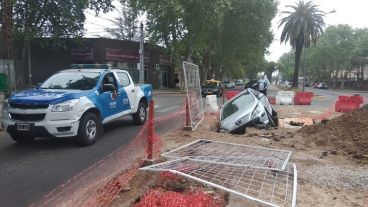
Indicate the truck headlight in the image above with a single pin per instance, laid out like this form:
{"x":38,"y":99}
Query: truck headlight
{"x":65,"y":106}
{"x":5,"y":105}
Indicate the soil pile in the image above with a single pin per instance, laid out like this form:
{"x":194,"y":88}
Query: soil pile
{"x":347,"y":134}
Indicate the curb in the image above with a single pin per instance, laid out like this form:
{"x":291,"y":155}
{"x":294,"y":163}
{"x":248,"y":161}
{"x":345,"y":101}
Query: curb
{"x":349,"y":91}
{"x":167,"y":93}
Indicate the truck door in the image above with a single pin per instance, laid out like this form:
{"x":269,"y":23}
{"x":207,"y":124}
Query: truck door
{"x":129,"y":88}
{"x":111,"y":102}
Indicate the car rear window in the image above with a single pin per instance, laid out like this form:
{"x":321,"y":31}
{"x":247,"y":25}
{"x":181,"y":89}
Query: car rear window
{"x":237,"y":104}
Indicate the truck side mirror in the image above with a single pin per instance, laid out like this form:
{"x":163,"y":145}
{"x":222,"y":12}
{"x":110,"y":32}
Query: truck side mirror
{"x":108,"y":87}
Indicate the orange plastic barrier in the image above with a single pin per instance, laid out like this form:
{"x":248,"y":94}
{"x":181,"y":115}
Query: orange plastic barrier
{"x":303,"y":98}
{"x":230,"y":94}
{"x":348,"y":103}
{"x":272,"y":99}
{"x":358,"y":98}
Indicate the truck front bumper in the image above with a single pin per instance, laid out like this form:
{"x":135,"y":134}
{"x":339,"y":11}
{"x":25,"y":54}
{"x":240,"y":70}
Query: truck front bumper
{"x":45,"y":128}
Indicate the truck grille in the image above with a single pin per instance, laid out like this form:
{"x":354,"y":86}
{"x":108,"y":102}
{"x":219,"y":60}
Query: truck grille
{"x":29,"y":106}
{"x":27,"y":117}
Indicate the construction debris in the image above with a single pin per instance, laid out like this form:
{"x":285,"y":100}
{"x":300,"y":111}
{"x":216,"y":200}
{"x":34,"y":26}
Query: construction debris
{"x":259,"y":174}
{"x":269,"y":187}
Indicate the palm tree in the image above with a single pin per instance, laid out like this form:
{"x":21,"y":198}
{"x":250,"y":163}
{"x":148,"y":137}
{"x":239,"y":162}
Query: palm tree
{"x":302,"y":26}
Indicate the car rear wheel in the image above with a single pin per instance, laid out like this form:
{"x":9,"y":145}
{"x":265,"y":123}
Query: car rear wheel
{"x":22,"y":139}
{"x":140,"y":116}
{"x":90,"y":127}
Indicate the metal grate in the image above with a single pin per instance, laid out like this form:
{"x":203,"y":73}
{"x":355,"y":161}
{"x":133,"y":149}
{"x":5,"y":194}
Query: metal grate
{"x":273,"y":188}
{"x":27,"y":117}
{"x":29,"y":106}
{"x":232,"y":154}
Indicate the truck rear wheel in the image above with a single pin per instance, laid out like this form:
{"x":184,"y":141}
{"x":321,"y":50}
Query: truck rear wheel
{"x":140,"y":116}
{"x":22,"y":139}
{"x":89,"y":129}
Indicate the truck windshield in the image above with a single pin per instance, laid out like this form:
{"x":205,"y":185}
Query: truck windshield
{"x":72,"y":81}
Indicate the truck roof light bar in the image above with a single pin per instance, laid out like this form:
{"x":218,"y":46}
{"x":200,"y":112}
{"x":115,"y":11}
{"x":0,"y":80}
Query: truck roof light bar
{"x":91,"y":66}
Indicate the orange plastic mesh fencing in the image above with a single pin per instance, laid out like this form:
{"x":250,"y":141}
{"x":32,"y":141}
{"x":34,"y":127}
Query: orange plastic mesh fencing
{"x":99,"y":184}
{"x":161,"y":198}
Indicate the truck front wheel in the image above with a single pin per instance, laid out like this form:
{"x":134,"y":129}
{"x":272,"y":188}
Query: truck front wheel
{"x":140,"y":116}
{"x":89,"y":129}
{"x":22,"y":139}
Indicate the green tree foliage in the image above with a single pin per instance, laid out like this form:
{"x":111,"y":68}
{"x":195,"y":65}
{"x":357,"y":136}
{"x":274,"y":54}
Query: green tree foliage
{"x":303,"y":25}
{"x":126,"y":24}
{"x":223,"y":36}
{"x":339,"y":50}
{"x":286,"y":65}
{"x":48,"y":18}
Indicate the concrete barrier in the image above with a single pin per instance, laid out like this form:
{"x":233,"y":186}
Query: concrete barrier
{"x":211,"y":104}
{"x":285,"y":97}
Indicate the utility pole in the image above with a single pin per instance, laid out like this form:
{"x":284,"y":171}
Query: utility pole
{"x":305,"y":69}
{"x":141,"y":56}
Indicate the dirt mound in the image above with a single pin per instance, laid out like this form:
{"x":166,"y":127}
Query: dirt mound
{"x":347,"y":133}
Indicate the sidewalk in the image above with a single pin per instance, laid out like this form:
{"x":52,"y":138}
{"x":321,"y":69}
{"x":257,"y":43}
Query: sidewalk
{"x":167,"y":91}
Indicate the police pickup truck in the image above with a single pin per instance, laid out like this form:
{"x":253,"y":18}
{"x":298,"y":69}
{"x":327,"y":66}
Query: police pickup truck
{"x":75,"y":103}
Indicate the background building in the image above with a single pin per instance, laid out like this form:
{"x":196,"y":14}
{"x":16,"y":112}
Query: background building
{"x":121,"y":54}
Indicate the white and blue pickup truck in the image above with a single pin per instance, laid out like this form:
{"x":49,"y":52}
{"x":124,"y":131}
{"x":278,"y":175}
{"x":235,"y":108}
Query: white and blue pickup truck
{"x":75,"y":103}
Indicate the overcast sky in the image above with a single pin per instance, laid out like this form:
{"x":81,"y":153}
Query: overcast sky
{"x":352,"y":12}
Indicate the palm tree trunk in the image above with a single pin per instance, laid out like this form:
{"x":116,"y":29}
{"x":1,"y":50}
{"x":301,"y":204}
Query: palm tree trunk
{"x":298,"y":53}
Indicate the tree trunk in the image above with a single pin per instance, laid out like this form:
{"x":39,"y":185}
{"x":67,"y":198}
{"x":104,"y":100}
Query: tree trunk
{"x":298,"y":53}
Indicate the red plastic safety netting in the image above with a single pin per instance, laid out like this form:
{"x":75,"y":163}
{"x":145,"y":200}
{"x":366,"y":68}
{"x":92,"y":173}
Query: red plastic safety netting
{"x":162,"y":198}
{"x":99,"y":184}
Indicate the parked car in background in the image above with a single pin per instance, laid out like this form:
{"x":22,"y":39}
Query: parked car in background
{"x":253,"y":84}
{"x":228,"y":84}
{"x":212,"y":87}
{"x":322,"y":86}
{"x":239,"y":82}
{"x":287,"y":84}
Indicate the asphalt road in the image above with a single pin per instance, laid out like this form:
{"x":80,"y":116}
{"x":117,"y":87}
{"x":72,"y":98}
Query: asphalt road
{"x":28,"y":172}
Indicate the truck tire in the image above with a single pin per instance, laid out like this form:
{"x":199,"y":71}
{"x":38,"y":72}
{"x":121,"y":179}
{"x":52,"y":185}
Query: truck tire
{"x":140,"y":116}
{"x":22,"y":139}
{"x":90,"y":127}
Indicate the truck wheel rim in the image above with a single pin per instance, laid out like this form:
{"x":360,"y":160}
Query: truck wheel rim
{"x":91,"y":129}
{"x":142,"y":114}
